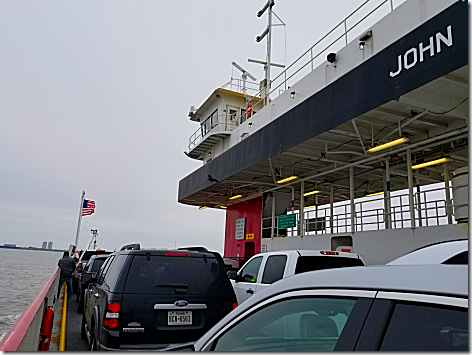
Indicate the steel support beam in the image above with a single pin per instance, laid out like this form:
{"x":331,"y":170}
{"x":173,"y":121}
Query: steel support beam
{"x":410,"y":188}
{"x":351,"y":192}
{"x":448,"y":194}
{"x":302,"y":207}
{"x":418,"y":197}
{"x":331,"y":209}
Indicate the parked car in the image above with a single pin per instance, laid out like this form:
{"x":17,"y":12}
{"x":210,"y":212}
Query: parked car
{"x":147,"y":299}
{"x":386,"y":308}
{"x":264,"y":269}
{"x":451,"y":252}
{"x":84,"y":258}
{"x":88,"y":274}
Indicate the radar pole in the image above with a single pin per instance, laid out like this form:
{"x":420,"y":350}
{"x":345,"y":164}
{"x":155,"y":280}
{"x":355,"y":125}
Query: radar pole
{"x":267,"y":64}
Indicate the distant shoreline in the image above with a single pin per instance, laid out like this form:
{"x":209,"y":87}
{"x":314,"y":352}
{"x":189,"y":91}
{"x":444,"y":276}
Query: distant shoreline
{"x":32,"y":248}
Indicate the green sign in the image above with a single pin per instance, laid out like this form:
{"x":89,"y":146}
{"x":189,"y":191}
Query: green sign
{"x":287,"y":221}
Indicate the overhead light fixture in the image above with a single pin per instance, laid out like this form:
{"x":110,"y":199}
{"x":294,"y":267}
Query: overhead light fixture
{"x":202,"y":207}
{"x":235,"y":197}
{"x":292,"y":94}
{"x":429,"y":163}
{"x":364,"y":38}
{"x":311,"y":193}
{"x":290,"y":178}
{"x":374,"y":194}
{"x":310,"y":206}
{"x":388,"y":144}
{"x":361,"y":45}
{"x":223,"y":207}
{"x":331,"y":57}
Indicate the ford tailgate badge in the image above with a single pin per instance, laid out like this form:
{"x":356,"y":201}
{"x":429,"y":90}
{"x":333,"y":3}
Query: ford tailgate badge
{"x":181,"y":303}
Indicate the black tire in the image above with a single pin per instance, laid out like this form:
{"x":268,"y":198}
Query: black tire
{"x":83,"y":332}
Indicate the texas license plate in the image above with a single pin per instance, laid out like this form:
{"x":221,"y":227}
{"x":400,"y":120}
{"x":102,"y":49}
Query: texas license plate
{"x":179,"y":318}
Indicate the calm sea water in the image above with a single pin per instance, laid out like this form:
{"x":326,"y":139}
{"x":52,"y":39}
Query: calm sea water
{"x":22,"y":275}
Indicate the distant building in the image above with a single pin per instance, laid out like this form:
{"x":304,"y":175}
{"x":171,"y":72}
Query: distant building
{"x":9,"y":245}
{"x":50,"y":245}
{"x":45,"y":244}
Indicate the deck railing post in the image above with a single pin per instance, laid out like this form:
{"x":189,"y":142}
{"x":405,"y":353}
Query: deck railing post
{"x":410,"y":189}
{"x":302,"y":206}
{"x":448,"y":194}
{"x":351,"y":192}
{"x":418,"y":198}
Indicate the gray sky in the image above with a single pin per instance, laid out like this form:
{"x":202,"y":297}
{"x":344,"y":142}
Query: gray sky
{"x":94,"y":96}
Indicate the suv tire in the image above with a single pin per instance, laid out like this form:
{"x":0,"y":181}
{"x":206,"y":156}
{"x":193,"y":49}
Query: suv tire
{"x":83,"y":332}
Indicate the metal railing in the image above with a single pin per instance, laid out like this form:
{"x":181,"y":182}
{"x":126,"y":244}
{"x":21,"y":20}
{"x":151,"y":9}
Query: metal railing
{"x":203,"y":131}
{"x":337,"y":36}
{"x":430,"y":209}
{"x":237,"y":85}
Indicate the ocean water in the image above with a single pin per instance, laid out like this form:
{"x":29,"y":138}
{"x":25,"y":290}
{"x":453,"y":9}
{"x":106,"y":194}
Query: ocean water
{"x":22,"y":275}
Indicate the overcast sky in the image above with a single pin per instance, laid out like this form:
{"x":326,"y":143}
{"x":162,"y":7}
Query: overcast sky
{"x":94,"y":96}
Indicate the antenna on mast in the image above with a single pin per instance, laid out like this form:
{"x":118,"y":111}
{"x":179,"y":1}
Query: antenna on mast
{"x":244,"y":76}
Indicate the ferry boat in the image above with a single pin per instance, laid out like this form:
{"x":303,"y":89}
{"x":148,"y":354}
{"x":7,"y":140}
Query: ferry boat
{"x":359,"y":145}
{"x":367,"y":152}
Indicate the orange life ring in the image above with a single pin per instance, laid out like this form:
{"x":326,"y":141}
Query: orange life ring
{"x":46,"y":330}
{"x":250,"y":111}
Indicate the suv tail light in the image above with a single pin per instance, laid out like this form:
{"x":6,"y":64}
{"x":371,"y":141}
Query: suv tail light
{"x":112,"y":317}
{"x":235,"y":304}
{"x":177,"y":254}
{"x":77,"y":268}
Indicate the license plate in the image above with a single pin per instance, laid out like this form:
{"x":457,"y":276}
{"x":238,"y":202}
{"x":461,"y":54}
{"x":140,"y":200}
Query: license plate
{"x":179,"y":318}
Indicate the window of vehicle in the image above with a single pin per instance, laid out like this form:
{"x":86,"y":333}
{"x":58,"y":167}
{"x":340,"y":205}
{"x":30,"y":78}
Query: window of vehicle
{"x":166,"y":274}
{"x":97,"y":263}
{"x":251,"y":270}
{"x":426,"y":328}
{"x":461,"y":258}
{"x":104,"y":269}
{"x":274,"y":268}
{"x":312,"y":263}
{"x":296,"y":324}
{"x":114,"y":272}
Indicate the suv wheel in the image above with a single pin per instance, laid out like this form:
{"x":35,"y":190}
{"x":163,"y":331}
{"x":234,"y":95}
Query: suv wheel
{"x":93,"y":341}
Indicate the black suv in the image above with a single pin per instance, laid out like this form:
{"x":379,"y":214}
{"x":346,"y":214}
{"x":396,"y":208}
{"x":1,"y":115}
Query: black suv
{"x":84,"y":258}
{"x":148,"y":299}
{"x":86,"y":277}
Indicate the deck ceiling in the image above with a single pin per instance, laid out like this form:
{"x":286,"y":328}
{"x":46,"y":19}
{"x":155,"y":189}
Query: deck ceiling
{"x":443,"y":105}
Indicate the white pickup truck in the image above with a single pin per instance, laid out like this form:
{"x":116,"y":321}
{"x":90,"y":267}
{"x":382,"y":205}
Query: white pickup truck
{"x":266,"y":268}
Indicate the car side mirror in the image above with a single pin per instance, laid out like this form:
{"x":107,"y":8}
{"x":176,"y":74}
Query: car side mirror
{"x":232,"y":274}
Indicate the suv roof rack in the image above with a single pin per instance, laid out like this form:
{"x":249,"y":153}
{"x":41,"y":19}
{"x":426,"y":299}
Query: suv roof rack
{"x":134,"y":246}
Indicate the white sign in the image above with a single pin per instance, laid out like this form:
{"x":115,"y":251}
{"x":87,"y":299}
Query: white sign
{"x":240,"y":233}
{"x":263,"y":248}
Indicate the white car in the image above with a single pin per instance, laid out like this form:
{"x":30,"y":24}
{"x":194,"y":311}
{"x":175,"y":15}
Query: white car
{"x":373,"y":308}
{"x":451,"y":252}
{"x":264,"y":269}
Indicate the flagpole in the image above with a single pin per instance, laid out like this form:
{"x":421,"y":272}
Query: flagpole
{"x":80,"y":220}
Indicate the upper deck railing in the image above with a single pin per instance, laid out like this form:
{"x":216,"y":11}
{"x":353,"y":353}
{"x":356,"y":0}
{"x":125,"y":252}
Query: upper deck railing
{"x":349,"y":28}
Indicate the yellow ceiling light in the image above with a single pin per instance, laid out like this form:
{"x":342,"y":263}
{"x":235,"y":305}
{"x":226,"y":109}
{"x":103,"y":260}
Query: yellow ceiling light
{"x":374,"y":194}
{"x":235,"y":197}
{"x":202,"y":207}
{"x":429,"y":163}
{"x":223,"y":207}
{"x":290,"y":178}
{"x":310,"y":206}
{"x":311,"y":193}
{"x":388,"y":144}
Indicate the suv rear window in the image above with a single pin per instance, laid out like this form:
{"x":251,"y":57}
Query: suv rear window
{"x":167,"y":274}
{"x":312,"y":263}
{"x":96,"y":264}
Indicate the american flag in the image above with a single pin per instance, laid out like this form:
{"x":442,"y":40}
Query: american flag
{"x":88,"y":208}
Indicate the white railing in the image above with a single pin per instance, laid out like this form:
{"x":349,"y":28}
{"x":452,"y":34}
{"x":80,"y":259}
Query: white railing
{"x":204,"y":130}
{"x":337,"y":38}
{"x":235,"y":84}
{"x":430,"y":208}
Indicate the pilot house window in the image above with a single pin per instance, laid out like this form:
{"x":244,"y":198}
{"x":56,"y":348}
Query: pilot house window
{"x":210,"y":123}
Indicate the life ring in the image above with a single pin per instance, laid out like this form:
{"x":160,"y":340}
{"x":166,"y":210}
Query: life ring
{"x":46,"y":330}
{"x":248,"y":114}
